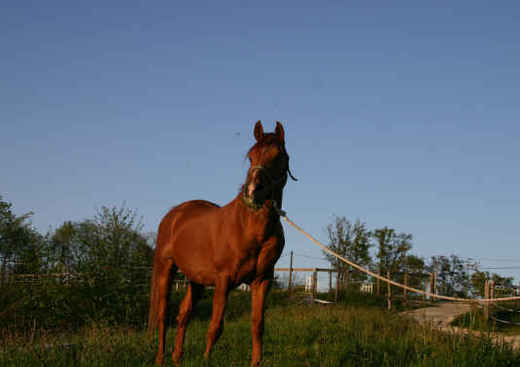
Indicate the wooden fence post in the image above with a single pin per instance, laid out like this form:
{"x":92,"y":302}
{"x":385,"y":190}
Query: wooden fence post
{"x":314,"y":283}
{"x":377,"y":283}
{"x":330,"y":281}
{"x":433,"y":286}
{"x":435,"y":289}
{"x":289,"y":286}
{"x":337,"y":286}
{"x":388,"y":292}
{"x":486,"y":304}
{"x":405,"y":291}
{"x":491,"y":295}
{"x":424,"y":294}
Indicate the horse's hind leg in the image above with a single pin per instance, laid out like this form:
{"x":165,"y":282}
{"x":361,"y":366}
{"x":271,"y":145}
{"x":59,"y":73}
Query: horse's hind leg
{"x":185,"y":310}
{"x":219,"y":307}
{"x":162,"y":282}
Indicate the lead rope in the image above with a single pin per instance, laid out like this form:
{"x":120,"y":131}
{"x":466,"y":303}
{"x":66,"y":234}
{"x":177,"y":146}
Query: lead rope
{"x":283,"y":214}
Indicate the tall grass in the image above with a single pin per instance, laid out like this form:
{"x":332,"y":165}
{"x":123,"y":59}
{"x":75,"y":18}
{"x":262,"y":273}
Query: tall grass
{"x":55,"y":305}
{"x":476,"y":320}
{"x":84,"y":326}
{"x":294,"y":336}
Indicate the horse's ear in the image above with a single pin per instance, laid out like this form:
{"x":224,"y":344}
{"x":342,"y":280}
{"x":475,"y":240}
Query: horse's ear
{"x":280,"y":134}
{"x":259,"y":131}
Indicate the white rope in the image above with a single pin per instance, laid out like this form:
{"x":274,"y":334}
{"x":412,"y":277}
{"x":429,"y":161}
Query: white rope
{"x":380,"y":277}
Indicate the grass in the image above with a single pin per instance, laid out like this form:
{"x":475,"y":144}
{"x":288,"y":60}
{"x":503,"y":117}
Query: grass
{"x":475,"y":320}
{"x":295,"y":335}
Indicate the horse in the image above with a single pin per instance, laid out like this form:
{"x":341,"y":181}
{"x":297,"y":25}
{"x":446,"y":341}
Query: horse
{"x":223,"y":247}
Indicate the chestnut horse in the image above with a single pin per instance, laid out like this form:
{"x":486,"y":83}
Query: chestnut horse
{"x":224,"y":247}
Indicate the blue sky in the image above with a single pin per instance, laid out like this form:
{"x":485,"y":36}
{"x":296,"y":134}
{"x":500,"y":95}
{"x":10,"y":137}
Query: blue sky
{"x":398,"y":113}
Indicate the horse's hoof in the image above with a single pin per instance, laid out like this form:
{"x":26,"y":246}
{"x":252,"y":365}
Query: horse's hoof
{"x":176,"y":360}
{"x":159,"y":361}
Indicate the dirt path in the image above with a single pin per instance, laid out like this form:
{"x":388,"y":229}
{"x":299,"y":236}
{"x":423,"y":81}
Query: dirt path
{"x":443,"y":314}
{"x":439,"y":316}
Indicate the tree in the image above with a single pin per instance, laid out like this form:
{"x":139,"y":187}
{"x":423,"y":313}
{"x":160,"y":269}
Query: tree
{"x":452,"y":274}
{"x":21,"y":246}
{"x":111,"y":241}
{"x":392,"y":249}
{"x":478,"y":280}
{"x":109,"y":260}
{"x":416,"y":266}
{"x":504,"y":285}
{"x":350,"y":240}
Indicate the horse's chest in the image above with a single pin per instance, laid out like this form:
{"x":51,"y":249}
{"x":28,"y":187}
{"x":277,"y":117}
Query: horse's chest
{"x":246,"y":271}
{"x":258,"y":263}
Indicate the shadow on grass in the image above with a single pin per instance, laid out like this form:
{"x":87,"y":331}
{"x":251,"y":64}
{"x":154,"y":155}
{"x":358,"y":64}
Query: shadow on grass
{"x":238,"y":306}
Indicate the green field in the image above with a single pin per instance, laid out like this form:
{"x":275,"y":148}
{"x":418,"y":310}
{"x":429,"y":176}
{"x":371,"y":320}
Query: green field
{"x":295,"y":335}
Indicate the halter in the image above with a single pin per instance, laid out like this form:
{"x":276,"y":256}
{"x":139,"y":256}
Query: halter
{"x":250,"y":202}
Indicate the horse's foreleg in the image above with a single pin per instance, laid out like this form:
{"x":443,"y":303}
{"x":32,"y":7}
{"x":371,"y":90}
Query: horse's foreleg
{"x":219,"y":306}
{"x":258,"y":294}
{"x":185,"y":311}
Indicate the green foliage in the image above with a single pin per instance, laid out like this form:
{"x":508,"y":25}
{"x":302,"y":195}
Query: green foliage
{"x":111,"y":242}
{"x":392,"y":249}
{"x":478,"y":283}
{"x":503,"y":285}
{"x":452,"y":274}
{"x":21,"y":246}
{"x":350,"y":240}
{"x":96,"y":269}
{"x":55,"y":304}
{"x":354,"y":240}
{"x":416,"y":267}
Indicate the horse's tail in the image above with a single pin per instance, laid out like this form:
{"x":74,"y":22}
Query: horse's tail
{"x":158,"y":290}
{"x":153,"y":313}
{"x":161,"y":274}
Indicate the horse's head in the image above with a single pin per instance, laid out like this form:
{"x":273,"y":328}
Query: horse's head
{"x":269,"y":167}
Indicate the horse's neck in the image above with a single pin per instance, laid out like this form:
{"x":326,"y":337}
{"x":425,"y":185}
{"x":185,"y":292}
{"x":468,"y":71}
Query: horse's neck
{"x":260,"y":219}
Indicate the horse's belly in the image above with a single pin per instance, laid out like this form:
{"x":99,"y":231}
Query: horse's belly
{"x":194,"y":256}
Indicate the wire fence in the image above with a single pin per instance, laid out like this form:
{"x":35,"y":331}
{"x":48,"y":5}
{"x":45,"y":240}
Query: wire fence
{"x":71,"y":278}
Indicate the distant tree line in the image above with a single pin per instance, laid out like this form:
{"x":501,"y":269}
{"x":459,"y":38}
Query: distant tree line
{"x":97,"y":268}
{"x":454,"y":275}
{"x":111,"y":241}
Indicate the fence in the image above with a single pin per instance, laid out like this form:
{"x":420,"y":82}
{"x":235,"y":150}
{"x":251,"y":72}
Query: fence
{"x":67,"y":278}
{"x":331,"y":283}
{"x":370,"y":286}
